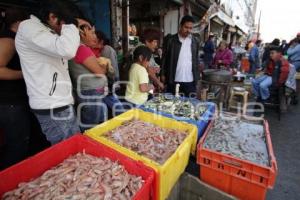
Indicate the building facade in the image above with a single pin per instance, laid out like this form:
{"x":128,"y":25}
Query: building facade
{"x":163,"y":15}
{"x":243,"y":13}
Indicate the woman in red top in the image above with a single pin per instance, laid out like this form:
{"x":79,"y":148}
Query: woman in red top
{"x":223,"y":57}
{"x":88,"y":79}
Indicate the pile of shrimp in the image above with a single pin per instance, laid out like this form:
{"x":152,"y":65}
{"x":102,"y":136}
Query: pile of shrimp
{"x":147,"y":139}
{"x":81,"y":176}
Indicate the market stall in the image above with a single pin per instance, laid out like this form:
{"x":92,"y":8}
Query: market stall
{"x":190,"y":110}
{"x":143,"y":154}
{"x":235,"y":155}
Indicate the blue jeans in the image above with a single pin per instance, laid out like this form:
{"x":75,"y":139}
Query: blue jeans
{"x":128,"y":105}
{"x":296,"y":64}
{"x":91,"y":109}
{"x":261,"y":86}
{"x":58,"y":126}
{"x":254,"y":65}
{"x":15,"y":123}
{"x":114,"y":104}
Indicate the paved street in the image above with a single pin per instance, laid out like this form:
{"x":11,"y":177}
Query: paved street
{"x":286,"y":143}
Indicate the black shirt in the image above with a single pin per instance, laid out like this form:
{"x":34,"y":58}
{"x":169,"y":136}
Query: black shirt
{"x":12,"y":92}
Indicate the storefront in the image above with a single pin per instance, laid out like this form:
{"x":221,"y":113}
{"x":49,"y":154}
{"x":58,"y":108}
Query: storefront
{"x":240,"y":35}
{"x":216,"y":27}
{"x":222,"y":26}
{"x":164,"y":15}
{"x":199,"y":9}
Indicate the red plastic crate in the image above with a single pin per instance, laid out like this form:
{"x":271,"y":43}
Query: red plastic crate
{"x":243,"y":179}
{"x":35,"y":166}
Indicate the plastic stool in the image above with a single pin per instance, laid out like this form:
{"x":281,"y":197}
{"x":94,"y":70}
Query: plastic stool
{"x":234,"y":93}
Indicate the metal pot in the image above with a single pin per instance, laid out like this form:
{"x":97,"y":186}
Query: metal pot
{"x":239,"y":78}
{"x":218,"y":76}
{"x":209,"y":71}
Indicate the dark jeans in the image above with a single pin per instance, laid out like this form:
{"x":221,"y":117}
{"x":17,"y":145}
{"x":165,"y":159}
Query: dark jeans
{"x":15,"y":122}
{"x":187,"y":89}
{"x":58,"y":125}
{"x":296,"y":64}
{"x":208,"y":61}
{"x":114,"y":104}
{"x":128,"y":105}
{"x":253,"y":67}
{"x":91,"y":108}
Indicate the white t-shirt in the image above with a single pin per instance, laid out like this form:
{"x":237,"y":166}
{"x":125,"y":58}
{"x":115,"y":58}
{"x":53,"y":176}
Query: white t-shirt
{"x":184,"y":71}
{"x":44,"y":59}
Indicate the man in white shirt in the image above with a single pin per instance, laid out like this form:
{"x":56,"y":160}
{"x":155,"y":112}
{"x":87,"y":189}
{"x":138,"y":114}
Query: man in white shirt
{"x":180,"y":59}
{"x":45,"y":45}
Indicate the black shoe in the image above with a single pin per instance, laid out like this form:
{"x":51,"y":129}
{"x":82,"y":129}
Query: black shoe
{"x":263,"y":101}
{"x":294,"y":100}
{"x":268,"y":101}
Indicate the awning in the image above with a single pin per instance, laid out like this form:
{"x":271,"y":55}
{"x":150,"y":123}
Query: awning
{"x":223,"y":17}
{"x":198,"y":9}
{"x":205,"y":3}
{"x":240,"y":33}
{"x":218,"y":21}
{"x":240,"y":30}
{"x":232,"y":29}
{"x":202,"y":4}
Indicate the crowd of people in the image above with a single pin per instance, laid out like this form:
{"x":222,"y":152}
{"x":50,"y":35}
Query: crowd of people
{"x":57,"y":70}
{"x":278,"y":63}
{"x":217,"y":58}
{"x":274,"y":64}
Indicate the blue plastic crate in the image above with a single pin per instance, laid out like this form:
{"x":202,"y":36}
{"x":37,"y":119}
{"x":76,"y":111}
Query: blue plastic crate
{"x":201,"y":123}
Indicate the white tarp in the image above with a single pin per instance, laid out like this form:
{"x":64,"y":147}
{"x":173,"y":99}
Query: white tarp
{"x":171,"y":22}
{"x":244,"y":29}
{"x":223,"y":17}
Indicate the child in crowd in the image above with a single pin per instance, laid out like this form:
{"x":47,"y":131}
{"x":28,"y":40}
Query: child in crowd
{"x":138,"y":86}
